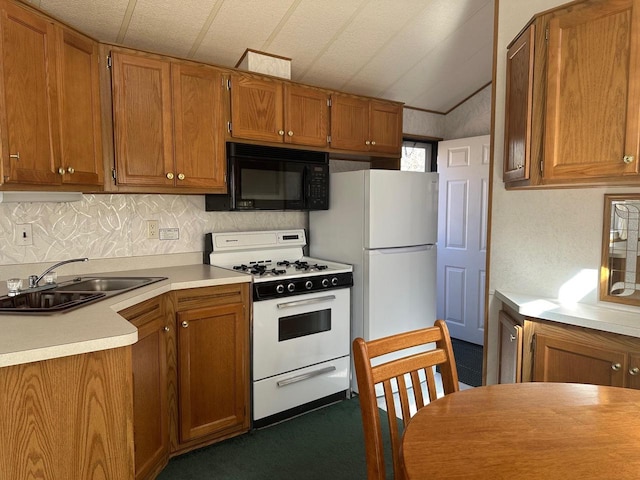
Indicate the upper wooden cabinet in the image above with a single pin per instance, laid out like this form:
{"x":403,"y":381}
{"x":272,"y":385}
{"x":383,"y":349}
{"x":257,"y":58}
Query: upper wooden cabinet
{"x":519,"y":86}
{"x":585,"y":125}
{"x":50,"y":104}
{"x":168,"y":123}
{"x":272,"y":110}
{"x":365,"y":125}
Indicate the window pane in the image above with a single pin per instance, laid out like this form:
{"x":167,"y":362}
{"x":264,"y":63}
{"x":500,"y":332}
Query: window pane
{"x":416,"y":156}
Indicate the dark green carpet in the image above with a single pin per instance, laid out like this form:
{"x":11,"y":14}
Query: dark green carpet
{"x":468,"y":362}
{"x":320,"y":445}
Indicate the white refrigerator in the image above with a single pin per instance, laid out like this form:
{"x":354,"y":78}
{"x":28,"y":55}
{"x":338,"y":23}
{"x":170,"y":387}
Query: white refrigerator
{"x":384,"y":223}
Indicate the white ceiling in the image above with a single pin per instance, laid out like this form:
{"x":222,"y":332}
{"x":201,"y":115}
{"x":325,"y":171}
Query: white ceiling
{"x":429,"y":54}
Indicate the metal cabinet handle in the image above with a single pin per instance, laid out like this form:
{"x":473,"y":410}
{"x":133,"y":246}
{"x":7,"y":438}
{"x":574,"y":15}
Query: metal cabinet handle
{"x":181,"y":176}
{"x":628,"y":159}
{"x":512,"y":337}
{"x":304,"y":376}
{"x":166,"y":329}
{"x":373,"y":142}
{"x":185,"y":324}
{"x":634,"y":371}
{"x":61,"y":171}
{"x":519,"y":166}
{"x":280,"y":132}
{"x":170,"y":176}
{"x":367,"y":142}
{"x":290,"y":133}
{"x":616,"y":366}
{"x":15,"y":155}
{"x":298,"y":303}
{"x":71,"y":170}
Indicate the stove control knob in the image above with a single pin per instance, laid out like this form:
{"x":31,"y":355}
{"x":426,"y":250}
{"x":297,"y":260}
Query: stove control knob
{"x":308,"y":284}
{"x":291,"y":287}
{"x":280,"y":288}
{"x":325,"y":282}
{"x":334,"y":281}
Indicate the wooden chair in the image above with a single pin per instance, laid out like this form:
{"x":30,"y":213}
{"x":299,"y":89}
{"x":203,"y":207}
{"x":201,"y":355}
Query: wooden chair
{"x":370,"y":373}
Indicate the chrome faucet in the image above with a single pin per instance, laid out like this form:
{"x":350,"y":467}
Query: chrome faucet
{"x":34,"y":279}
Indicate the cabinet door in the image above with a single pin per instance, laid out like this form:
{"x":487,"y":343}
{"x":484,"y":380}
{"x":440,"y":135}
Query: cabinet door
{"x":510,"y":367}
{"x":213,"y":371}
{"x":29,"y":123}
{"x":142,"y":120}
{"x":562,"y":360}
{"x":150,"y":406}
{"x":518,"y":107}
{"x":633,"y":371}
{"x":593,"y":91}
{"x":80,"y":110}
{"x":306,"y":113}
{"x":385,"y":127}
{"x":198,"y":126}
{"x":349,"y":123}
{"x":256,"y":108}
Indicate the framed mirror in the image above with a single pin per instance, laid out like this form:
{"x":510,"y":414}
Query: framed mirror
{"x":619,"y":280}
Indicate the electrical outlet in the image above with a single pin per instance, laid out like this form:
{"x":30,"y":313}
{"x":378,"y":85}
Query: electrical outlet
{"x":24,"y":234}
{"x":152,"y":229}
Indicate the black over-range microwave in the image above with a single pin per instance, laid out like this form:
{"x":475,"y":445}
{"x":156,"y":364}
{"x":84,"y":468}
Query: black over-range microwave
{"x":273,"y":178}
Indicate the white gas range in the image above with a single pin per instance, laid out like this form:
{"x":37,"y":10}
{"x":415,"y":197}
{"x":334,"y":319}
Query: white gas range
{"x":301,"y":320}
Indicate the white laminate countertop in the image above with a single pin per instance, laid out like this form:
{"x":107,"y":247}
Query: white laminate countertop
{"x":598,"y":317}
{"x":30,"y":338}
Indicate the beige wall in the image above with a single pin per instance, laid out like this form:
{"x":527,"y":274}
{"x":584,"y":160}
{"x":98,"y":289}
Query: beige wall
{"x":540,"y":240}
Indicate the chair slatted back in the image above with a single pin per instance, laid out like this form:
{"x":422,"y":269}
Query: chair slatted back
{"x":397,"y":369}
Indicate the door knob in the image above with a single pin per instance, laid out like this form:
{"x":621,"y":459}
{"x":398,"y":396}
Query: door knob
{"x":181,"y":176}
{"x":634,"y":371}
{"x":71,"y":170}
{"x":512,"y":337}
{"x":628,"y":159}
{"x":61,"y":171}
{"x":166,"y":329}
{"x":616,"y":367}
{"x":185,"y":324}
{"x":170,"y":176}
{"x":290,"y":133}
{"x":280,"y":132}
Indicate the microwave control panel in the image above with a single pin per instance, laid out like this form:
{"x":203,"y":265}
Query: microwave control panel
{"x":318,"y":187}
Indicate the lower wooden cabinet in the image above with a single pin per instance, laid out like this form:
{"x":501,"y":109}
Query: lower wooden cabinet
{"x":150,"y":402}
{"x":190,"y":372}
{"x":211,"y":363}
{"x":67,"y":418}
{"x":545,"y":351}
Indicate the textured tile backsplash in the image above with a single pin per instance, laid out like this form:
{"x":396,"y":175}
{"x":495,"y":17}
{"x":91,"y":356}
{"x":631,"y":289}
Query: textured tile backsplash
{"x":109,"y":226}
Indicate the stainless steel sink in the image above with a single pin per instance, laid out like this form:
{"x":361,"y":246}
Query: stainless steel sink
{"x":107,"y":284}
{"x":72,"y":294}
{"x":46,"y":301}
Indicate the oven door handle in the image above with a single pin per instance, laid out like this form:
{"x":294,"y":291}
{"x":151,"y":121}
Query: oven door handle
{"x":310,"y":301}
{"x":305,"y":376}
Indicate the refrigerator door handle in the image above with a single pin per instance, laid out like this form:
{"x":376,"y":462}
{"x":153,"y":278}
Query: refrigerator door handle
{"x":396,"y":250}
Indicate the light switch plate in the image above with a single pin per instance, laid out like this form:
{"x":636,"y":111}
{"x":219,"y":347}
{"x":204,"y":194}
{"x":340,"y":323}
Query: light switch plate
{"x":24,"y":235}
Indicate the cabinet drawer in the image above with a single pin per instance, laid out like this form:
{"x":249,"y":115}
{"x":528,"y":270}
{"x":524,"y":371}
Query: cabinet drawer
{"x":210,"y":296}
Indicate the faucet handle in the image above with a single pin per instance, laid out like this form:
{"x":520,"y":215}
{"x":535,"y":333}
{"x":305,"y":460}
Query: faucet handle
{"x":51,"y":278}
{"x":14,"y":285}
{"x":33,"y":281}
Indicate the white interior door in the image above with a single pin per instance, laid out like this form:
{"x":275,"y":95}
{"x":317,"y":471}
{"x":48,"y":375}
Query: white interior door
{"x":463,"y":165}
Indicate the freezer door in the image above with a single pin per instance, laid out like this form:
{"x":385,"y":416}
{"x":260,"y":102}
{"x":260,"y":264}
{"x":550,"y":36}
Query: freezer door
{"x":400,"y":290}
{"x":401,"y":209}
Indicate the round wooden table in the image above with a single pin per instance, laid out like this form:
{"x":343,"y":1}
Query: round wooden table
{"x":526,"y":431}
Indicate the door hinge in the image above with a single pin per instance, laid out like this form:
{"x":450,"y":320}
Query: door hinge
{"x":328,"y":138}
{"x":542,"y":168}
{"x":113,"y":173}
{"x":228,"y":84}
{"x":109,"y":62}
{"x":546,"y":34}
{"x":328,"y":102}
{"x":229,"y":127}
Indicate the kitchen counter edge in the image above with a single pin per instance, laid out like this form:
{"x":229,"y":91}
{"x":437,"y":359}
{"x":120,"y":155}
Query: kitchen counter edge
{"x":32,"y":338}
{"x":597,"y":317}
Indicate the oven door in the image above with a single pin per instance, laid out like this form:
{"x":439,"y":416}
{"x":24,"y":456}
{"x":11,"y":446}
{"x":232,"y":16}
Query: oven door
{"x":298,"y":331}
{"x":267,"y":184}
